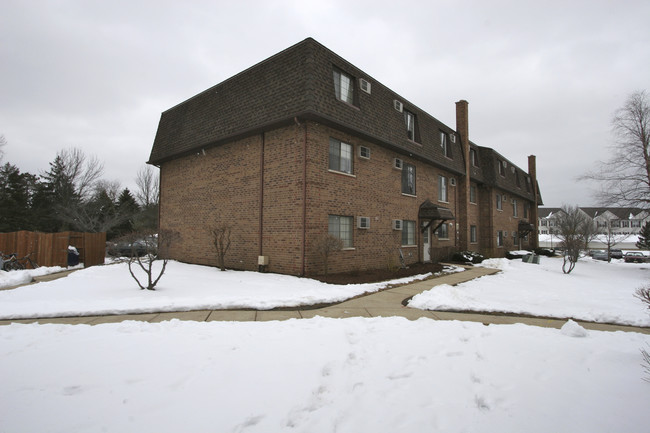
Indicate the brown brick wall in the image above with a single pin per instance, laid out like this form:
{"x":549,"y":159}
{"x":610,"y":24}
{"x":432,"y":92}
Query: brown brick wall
{"x":374,"y":191}
{"x":200,"y":192}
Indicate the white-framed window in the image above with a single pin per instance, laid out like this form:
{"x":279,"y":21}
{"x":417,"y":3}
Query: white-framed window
{"x":500,"y":238}
{"x":409,"y":118}
{"x":635,"y":223}
{"x":408,"y":233}
{"x":341,"y":156}
{"x":473,"y":157}
{"x":343,"y":86}
{"x":340,"y":226}
{"x":514,"y":208}
{"x":502,"y":169}
{"x":472,"y":194}
{"x":444,"y":143}
{"x":443,"y":192}
{"x":473,"y":234}
{"x":408,"y":179}
{"x":443,"y":231}
{"x":499,"y":202}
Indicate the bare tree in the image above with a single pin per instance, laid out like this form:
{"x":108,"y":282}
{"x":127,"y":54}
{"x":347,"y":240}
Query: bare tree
{"x":148,"y":248}
{"x":325,"y":246}
{"x":221,"y":241}
{"x":148,"y":184}
{"x":609,"y":238}
{"x":3,"y":143}
{"x":643,"y":294}
{"x":588,"y":231}
{"x":82,"y":170}
{"x":569,"y":225}
{"x":625,"y":178}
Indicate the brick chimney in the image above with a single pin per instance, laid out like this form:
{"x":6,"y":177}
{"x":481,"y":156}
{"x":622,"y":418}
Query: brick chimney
{"x":533,"y":214}
{"x":462,"y":214}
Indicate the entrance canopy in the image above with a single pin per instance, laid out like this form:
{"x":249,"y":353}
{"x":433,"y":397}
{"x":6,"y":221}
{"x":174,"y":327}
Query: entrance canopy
{"x":524,"y":228}
{"x":434,"y":214}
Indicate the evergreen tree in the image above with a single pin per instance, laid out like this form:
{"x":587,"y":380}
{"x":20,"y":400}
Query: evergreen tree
{"x":644,"y":237}
{"x":15,"y":199}
{"x":127,"y":207}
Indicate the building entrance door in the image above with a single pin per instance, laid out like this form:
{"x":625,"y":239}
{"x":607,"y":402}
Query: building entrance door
{"x":426,"y":245}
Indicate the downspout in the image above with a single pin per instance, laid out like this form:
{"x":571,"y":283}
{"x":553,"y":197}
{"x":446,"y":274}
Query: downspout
{"x":261,"y":201}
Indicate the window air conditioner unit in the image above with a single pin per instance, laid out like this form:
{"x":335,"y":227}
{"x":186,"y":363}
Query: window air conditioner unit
{"x":397,"y":224}
{"x":452,"y":181}
{"x":398,"y":105}
{"x":364,"y":85}
{"x":363,"y":222}
{"x":505,"y":164}
{"x":505,"y":234}
{"x":452,"y":137}
{"x":364,"y":152}
{"x":504,"y":197}
{"x":397,"y":163}
{"x":512,"y":169}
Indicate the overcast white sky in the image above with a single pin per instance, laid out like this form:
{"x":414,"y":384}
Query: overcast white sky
{"x":541,"y":78}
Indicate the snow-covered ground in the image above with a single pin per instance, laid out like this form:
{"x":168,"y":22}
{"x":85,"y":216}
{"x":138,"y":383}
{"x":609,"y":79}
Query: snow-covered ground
{"x":111,"y":290}
{"x":321,"y":375}
{"x":594,"y":291}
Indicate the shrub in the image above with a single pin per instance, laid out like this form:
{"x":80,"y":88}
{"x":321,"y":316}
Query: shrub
{"x":468,"y":257}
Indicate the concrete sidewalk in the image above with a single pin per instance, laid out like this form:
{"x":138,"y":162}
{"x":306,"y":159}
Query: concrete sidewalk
{"x":386,"y":303}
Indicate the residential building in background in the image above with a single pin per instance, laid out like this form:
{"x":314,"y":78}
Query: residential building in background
{"x":625,"y":223}
{"x":304,"y":145}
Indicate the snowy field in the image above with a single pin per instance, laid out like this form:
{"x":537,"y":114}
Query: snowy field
{"x":320,"y":375}
{"x":595,"y":291}
{"x":323,"y":375}
{"x":110,"y":289}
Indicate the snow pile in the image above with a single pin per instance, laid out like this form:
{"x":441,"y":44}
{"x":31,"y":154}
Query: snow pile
{"x":111,"y":290}
{"x":572,"y":329}
{"x":320,"y":375}
{"x":24,"y":276}
{"x":595,"y":291}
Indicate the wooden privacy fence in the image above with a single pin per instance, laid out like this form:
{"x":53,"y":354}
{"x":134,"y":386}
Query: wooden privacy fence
{"x":51,"y":249}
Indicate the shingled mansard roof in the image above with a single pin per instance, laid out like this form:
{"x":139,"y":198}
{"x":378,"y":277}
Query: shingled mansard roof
{"x":297,"y":84}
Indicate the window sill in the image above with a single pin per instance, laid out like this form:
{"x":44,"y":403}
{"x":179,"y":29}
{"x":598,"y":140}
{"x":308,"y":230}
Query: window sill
{"x":409,"y":195}
{"x":474,"y":203}
{"x":348,"y":249}
{"x":414,"y":142}
{"x":442,"y":201}
{"x":409,"y":246}
{"x":348,"y":104}
{"x":342,"y":172}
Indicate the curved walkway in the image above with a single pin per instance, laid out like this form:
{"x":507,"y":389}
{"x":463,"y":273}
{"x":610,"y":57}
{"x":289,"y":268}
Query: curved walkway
{"x":385,"y":303}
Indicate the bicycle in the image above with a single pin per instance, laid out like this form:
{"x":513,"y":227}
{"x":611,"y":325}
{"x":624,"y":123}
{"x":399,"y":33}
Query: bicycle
{"x":11,"y":262}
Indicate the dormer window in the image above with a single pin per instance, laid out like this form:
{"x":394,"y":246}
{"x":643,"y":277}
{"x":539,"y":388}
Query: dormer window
{"x":343,"y":86}
{"x":502,"y":168}
{"x":409,"y":118}
{"x":444,"y":143}
{"x":473,"y":157}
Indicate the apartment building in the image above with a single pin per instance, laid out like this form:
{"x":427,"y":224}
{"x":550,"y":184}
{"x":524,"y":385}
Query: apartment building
{"x":304,"y":145}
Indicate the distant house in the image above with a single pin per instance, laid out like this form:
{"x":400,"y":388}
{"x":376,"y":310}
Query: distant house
{"x":305,"y":144}
{"x":623,"y":222}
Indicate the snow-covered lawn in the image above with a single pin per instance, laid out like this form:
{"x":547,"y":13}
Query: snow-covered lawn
{"x":595,"y":291}
{"x":111,"y":290}
{"x":323,"y":375}
{"x":320,"y":375}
